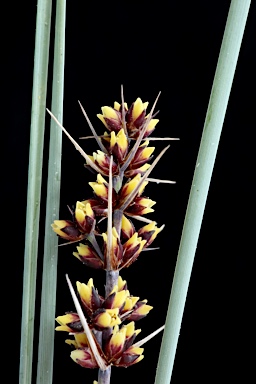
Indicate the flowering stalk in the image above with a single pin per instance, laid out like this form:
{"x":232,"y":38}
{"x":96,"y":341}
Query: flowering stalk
{"x":104,"y":325}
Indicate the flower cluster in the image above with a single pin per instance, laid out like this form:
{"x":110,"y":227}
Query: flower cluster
{"x":121,"y":167}
{"x":106,"y":315}
{"x":127,"y":192}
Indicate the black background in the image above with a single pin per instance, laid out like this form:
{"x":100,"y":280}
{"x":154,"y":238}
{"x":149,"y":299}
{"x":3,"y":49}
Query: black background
{"x":148,"y":47}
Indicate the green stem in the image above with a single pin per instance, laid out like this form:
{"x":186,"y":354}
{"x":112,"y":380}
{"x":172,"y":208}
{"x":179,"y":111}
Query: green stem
{"x":221,"y":88}
{"x":42,"y":38}
{"x":49,"y":282}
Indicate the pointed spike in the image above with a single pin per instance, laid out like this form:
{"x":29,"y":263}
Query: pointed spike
{"x":92,"y":129}
{"x":153,"y":334}
{"x":123,"y":114}
{"x":138,"y":141}
{"x":70,"y":210}
{"x":77,"y":146}
{"x":150,"y":249}
{"x":87,"y":330}
{"x":90,"y":137}
{"x":135,"y":191}
{"x":71,"y":242}
{"x":92,"y":239}
{"x":162,"y":138}
{"x":141,"y":218}
{"x":87,"y":137}
{"x":160,"y":181}
{"x":109,"y":230}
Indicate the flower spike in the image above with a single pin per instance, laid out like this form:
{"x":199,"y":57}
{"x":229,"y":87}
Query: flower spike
{"x":103,"y":329}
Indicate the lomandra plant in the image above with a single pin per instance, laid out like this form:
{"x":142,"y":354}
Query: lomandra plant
{"x":105,"y":227}
{"x":103,"y":326}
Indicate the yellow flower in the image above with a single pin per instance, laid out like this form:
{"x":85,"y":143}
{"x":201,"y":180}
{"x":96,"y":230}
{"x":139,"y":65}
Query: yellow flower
{"x":100,"y":187}
{"x":118,"y":145}
{"x":131,"y":185}
{"x":103,"y":161}
{"x":105,"y":318}
{"x":85,"y":292}
{"x":69,"y":323}
{"x":149,"y":232}
{"x":111,"y":118}
{"x":140,"y":206}
{"x":84,"y":216}
{"x":88,"y":256}
{"x":67,"y":230}
{"x":132,"y":249}
{"x":138,"y":108}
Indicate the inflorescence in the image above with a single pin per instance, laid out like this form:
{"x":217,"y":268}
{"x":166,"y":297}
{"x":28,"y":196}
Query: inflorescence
{"x":105,"y":336}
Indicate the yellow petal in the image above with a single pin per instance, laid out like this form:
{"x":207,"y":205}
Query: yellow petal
{"x":135,"y":350}
{"x":138,"y":108}
{"x":119,"y":299}
{"x":101,"y":117}
{"x":83,"y":249}
{"x":142,"y":187}
{"x":121,"y":283}
{"x":65,"y":319}
{"x":119,"y":338}
{"x":144,"y":309}
{"x":147,"y":152}
{"x":152,"y":124}
{"x":130,"y":329}
{"x":109,"y":112}
{"x":85,"y":291}
{"x":126,"y":224}
{"x":109,"y":318}
{"x":121,"y":140}
{"x":118,"y":106}
{"x":130,"y":302}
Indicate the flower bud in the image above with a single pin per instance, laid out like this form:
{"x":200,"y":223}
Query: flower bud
{"x":140,"y":206}
{"x":142,"y":155}
{"x":69,"y":323}
{"x":141,"y":309}
{"x":84,"y":217}
{"x":100,"y":187}
{"x":67,"y":230}
{"x":84,"y":357}
{"x":111,"y":118}
{"x":116,"y":299}
{"x":103,"y":161}
{"x":132,"y":249}
{"x":115,"y":251}
{"x":80,"y":341}
{"x":133,"y":172}
{"x":136,"y":114}
{"x":127,"y":228}
{"x":149,"y":232}
{"x":130,"y":185}
{"x":88,"y":256}
{"x":118,"y":145}
{"x":90,"y":298}
{"x":115,"y":345}
{"x":131,"y":356}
